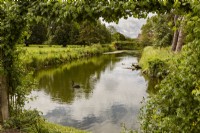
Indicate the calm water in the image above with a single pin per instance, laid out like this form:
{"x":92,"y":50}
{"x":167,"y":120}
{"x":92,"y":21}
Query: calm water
{"x":110,"y":94}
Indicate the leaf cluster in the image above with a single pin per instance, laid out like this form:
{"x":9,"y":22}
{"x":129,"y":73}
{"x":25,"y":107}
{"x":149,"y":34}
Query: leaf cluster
{"x":157,"y":31}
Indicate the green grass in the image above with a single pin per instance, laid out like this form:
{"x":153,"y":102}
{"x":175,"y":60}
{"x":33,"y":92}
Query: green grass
{"x":30,"y":121}
{"x":43,"y":56}
{"x":55,"y":128}
{"x":151,"y":53}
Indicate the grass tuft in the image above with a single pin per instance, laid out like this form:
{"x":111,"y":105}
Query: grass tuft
{"x":151,"y":53}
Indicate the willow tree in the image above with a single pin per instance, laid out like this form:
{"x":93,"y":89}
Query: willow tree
{"x":16,"y":14}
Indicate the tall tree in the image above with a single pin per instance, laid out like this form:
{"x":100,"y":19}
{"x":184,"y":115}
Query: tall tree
{"x":179,"y":33}
{"x":118,"y":37}
{"x":146,"y":35}
{"x":93,"y":32}
{"x":181,"y":36}
{"x":61,"y":34}
{"x":157,"y":31}
{"x":176,"y":33}
{"x":38,"y":33}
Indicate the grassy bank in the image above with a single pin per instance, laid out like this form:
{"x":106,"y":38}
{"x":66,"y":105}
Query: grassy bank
{"x":30,"y":121}
{"x":39,"y":57}
{"x":156,"y":61}
{"x":48,"y":127}
{"x":151,"y":53}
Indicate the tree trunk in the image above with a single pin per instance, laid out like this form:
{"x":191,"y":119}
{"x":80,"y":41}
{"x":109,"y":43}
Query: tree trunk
{"x":4,"y":111}
{"x":175,"y":40}
{"x":176,"y":34}
{"x":180,"y":37}
{"x":4,"y":106}
{"x":180,"y":40}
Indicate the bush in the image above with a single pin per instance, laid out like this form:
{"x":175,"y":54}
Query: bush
{"x":155,"y":62}
{"x":30,"y":121}
{"x":126,"y":45}
{"x":23,"y":121}
{"x":158,"y":68}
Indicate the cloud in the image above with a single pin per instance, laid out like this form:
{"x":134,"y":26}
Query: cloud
{"x":130,"y":27}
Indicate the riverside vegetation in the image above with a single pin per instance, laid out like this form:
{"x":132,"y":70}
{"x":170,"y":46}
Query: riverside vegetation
{"x":38,"y":57}
{"x":177,"y":93}
{"x":175,"y":108}
{"x":175,"y":105}
{"x":42,"y":56}
{"x":30,"y":121}
{"x":155,"y":61}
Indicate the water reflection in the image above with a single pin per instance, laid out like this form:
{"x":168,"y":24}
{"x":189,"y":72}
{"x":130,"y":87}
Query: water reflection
{"x":58,"y":83}
{"x":109,"y":95}
{"x":152,"y":83}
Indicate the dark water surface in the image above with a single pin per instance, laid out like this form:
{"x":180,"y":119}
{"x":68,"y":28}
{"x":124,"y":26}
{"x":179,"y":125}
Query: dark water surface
{"x":110,"y":94}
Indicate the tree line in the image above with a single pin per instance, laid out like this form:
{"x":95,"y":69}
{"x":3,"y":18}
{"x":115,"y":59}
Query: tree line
{"x":68,"y":33}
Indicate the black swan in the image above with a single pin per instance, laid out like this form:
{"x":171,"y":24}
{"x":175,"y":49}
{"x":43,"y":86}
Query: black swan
{"x":75,"y":85}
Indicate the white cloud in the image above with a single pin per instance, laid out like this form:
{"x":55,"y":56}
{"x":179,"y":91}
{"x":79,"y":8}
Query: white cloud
{"x":129,"y":27}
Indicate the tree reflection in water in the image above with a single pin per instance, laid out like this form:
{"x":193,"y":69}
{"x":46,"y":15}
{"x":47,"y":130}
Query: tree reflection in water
{"x":86,"y":72}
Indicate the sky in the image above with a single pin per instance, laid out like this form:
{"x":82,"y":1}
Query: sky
{"x":130,"y":27}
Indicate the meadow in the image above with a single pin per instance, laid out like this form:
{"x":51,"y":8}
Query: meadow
{"x":42,"y":56}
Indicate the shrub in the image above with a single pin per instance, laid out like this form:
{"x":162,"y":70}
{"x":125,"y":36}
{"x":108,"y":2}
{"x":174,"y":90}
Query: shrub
{"x":23,"y":121}
{"x":30,"y":121}
{"x":158,"y":68}
{"x":155,"y":62}
{"x":126,"y":45}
